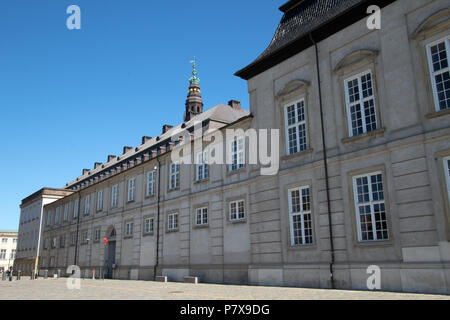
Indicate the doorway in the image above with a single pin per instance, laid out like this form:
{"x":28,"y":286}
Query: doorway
{"x":111,"y":259}
{"x":111,"y":254}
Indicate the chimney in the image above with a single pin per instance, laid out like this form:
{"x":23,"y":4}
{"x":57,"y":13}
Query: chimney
{"x":126,"y":149}
{"x":235,"y":104}
{"x":97,"y":164}
{"x":85,"y":171}
{"x":166,"y":128}
{"x":146,"y":139}
{"x":110,"y":157}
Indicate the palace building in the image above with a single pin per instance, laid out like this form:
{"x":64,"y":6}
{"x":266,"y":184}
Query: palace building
{"x":364,"y":168}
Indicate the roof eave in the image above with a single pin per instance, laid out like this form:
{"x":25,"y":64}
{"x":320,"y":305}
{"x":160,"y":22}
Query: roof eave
{"x":323,"y":31}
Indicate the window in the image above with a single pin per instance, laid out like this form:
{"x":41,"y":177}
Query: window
{"x":75,"y":209}
{"x":100,"y":200}
{"x":148,"y":225}
{"x":62,"y":241}
{"x":201,"y":218}
{"x":438,"y":58}
{"x":370,"y":207}
{"x":73,"y":239}
{"x":97,"y":235}
{"x":15,"y":240}
{"x":202,"y":170}
{"x":447,"y":174}
{"x":131,"y":189}
{"x":53,"y":242}
{"x":114,"y":191}
{"x":361,"y":104}
{"x":57,"y":215}
{"x":4,"y":240}
{"x":84,"y":237}
{"x":66,"y":212}
{"x":174,"y":176}
{"x":237,"y":154}
{"x":49,"y":218}
{"x":151,"y":178}
{"x":300,"y":217}
{"x":172,"y":221}
{"x":87,"y":200}
{"x":129,"y":229}
{"x":3,"y":254}
{"x":13,"y":254}
{"x":45,"y":243}
{"x":295,"y":127}
{"x":52,"y":262}
{"x":237,"y":210}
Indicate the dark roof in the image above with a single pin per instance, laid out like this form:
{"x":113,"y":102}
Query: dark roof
{"x":302,"y":17}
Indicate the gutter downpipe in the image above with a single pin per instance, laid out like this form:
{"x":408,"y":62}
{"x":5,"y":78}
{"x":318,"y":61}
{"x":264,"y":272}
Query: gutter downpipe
{"x":325,"y":160}
{"x":158,"y":214}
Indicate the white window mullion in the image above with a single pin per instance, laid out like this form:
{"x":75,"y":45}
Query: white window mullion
{"x":363,"y":109}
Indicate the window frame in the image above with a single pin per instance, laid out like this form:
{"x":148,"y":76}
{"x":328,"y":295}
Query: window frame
{"x":236,"y":202}
{"x":131,"y":190}
{"x":75,"y":209}
{"x":203,"y":221}
{"x":150,"y":183}
{"x":114,"y":195}
{"x":295,"y":125}
{"x":371,"y":203}
{"x":172,"y":223}
{"x":302,"y":214}
{"x":175,"y":174}
{"x":129,"y":226}
{"x":66,"y":212}
{"x":240,"y":154}
{"x":361,"y":101}
{"x":152,"y":224}
{"x":100,"y":200}
{"x":202,"y":163}
{"x":87,"y":205}
{"x":432,"y":73}
{"x":97,"y":232}
{"x":446,"y":161}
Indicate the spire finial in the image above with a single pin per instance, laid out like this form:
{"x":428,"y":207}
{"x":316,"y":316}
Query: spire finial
{"x":194,"y":78}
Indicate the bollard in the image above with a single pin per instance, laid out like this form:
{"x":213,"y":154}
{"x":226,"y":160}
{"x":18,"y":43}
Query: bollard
{"x":93,"y":274}
{"x":32,"y":275}
{"x":3,"y":276}
{"x":59,"y":273}
{"x":45,"y":274}
{"x":18,"y":274}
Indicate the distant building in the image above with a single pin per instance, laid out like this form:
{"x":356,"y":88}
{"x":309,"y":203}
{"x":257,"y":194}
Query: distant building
{"x":8,"y":244}
{"x":30,"y":226}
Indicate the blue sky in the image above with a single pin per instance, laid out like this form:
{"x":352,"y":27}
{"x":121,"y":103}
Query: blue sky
{"x":68,"y":98}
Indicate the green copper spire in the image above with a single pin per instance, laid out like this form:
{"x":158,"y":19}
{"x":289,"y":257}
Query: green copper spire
{"x":194,"y":78}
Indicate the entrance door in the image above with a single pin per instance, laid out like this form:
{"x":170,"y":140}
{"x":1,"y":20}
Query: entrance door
{"x":111,"y":259}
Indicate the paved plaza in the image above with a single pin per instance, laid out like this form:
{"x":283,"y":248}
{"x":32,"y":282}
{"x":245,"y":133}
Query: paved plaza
{"x":53,"y":289}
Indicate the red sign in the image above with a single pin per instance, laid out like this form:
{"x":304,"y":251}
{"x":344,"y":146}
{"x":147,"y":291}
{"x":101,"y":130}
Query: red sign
{"x":105,"y":240}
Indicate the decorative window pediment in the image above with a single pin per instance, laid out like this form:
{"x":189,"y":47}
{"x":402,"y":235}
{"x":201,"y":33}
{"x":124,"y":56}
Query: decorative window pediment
{"x":291,"y":87}
{"x":438,"y":20}
{"x":356,"y":57}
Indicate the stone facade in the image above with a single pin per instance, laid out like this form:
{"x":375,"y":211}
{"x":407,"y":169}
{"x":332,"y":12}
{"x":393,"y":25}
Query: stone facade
{"x":31,"y":210}
{"x":8,"y":247}
{"x":406,"y":150}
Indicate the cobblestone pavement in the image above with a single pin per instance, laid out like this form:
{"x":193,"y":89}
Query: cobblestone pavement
{"x":52,"y":289}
